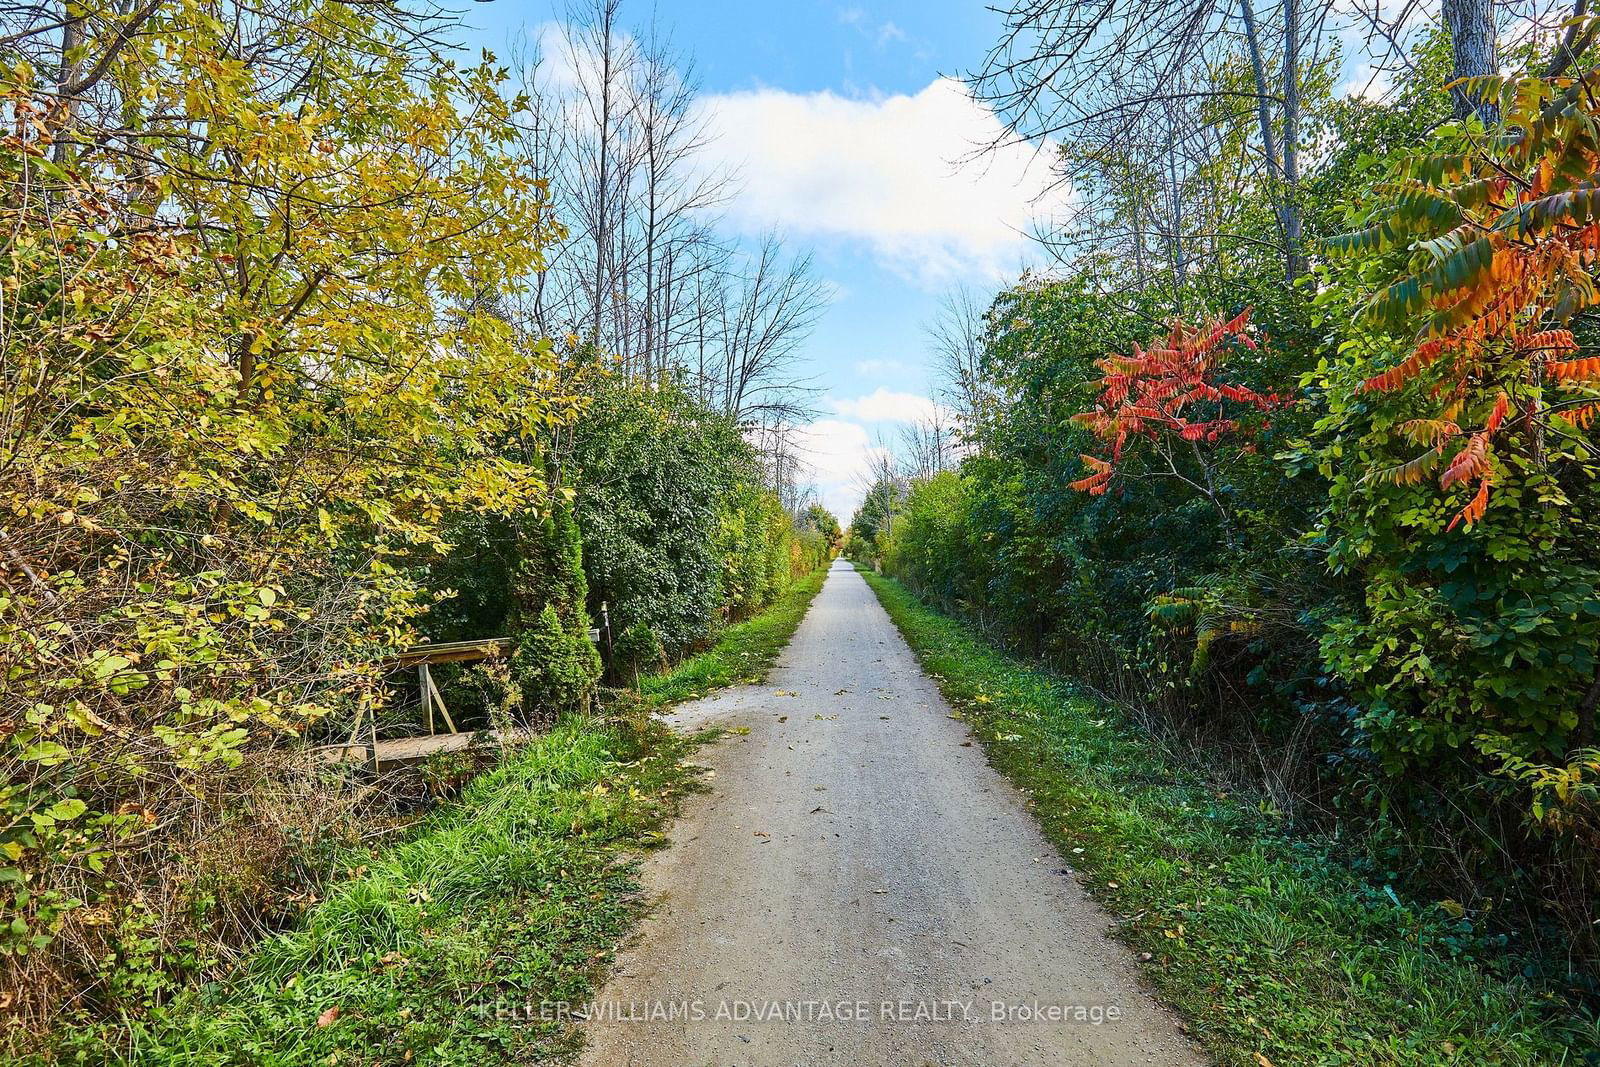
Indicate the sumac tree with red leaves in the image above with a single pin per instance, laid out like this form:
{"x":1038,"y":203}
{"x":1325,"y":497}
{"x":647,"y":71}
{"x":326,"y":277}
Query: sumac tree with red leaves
{"x":1175,"y":397}
{"x":1458,"y":444}
{"x":1504,"y":238}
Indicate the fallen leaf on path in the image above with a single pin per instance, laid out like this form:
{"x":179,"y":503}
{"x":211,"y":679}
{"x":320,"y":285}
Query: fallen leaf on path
{"x":783,"y":718}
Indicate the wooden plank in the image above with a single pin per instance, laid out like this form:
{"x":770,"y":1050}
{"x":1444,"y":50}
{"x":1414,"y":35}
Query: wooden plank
{"x":403,"y":750}
{"x":450,"y":652}
{"x":425,"y":683}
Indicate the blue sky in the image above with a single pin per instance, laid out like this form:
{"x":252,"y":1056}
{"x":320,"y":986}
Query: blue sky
{"x":848,"y":141}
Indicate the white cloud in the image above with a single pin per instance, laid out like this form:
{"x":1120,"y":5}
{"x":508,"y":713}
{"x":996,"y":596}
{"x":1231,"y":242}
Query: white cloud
{"x":885,"y":172}
{"x":884,"y":366}
{"x":559,"y":57}
{"x":840,"y":453}
{"x":890,"y":32}
{"x":885,"y":405}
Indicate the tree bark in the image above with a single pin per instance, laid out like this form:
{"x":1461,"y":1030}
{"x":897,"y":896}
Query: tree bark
{"x":1472,"y":52}
{"x":1269,"y":142}
{"x":1291,"y":139}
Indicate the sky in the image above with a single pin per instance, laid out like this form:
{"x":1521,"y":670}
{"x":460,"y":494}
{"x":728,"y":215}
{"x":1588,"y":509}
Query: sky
{"x":849,"y":127}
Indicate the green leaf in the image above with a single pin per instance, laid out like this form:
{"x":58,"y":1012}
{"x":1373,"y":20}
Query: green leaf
{"x":67,"y":810}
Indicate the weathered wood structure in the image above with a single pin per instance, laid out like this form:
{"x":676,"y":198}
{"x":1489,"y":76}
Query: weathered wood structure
{"x":376,"y":753}
{"x":372,"y":751}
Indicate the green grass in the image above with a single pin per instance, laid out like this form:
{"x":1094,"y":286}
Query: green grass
{"x":1264,"y":943}
{"x":513,"y":894}
{"x":743,"y":651}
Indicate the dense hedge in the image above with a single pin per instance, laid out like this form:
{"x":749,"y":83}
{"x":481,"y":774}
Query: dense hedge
{"x":676,"y":528}
{"x":1378,"y":596}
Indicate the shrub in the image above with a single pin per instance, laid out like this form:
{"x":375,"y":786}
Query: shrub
{"x":638,"y":651}
{"x":553,"y":662}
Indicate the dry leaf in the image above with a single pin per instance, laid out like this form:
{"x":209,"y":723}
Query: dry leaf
{"x":326,"y":1019}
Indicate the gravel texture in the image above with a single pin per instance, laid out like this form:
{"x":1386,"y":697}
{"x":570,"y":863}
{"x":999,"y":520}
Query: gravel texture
{"x":860,"y":887}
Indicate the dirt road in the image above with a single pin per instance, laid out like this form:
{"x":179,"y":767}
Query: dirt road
{"x":861,"y":888}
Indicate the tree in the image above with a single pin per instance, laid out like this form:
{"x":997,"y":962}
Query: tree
{"x":1474,"y":356}
{"x":643,"y":276}
{"x":553,"y":662}
{"x":956,"y":334}
{"x":822,"y":521}
{"x":248,"y":365}
{"x":1174,"y":396}
{"x":1139,"y":91}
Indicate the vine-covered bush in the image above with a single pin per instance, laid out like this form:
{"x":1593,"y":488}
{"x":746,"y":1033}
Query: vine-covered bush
{"x":679,"y":531}
{"x":650,"y":468}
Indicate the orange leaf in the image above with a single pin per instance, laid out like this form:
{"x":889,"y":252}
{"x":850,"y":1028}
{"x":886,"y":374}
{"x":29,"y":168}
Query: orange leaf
{"x":1574,"y":369}
{"x":1502,"y":404}
{"x":1475,"y":507}
{"x":1469,"y":463}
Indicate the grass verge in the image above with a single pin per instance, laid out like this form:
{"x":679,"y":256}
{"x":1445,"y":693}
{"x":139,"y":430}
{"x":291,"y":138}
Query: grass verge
{"x":440,"y":950}
{"x":743,"y":651}
{"x":1273,"y":952}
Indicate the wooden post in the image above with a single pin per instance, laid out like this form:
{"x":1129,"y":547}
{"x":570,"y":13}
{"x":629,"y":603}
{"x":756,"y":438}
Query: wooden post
{"x":425,"y":681}
{"x":432,"y":696}
{"x":355,"y":731}
{"x":372,"y":728}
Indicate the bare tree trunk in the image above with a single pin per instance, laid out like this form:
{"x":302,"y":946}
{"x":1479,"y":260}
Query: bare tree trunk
{"x":1269,"y":142}
{"x":1576,"y":40}
{"x":1472,"y":52}
{"x":608,"y":12}
{"x":1175,"y":251}
{"x":1291,"y":138}
{"x":71,"y":42}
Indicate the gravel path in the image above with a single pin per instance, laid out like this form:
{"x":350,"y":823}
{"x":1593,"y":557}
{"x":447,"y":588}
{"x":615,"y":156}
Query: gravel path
{"x":860,"y":888}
